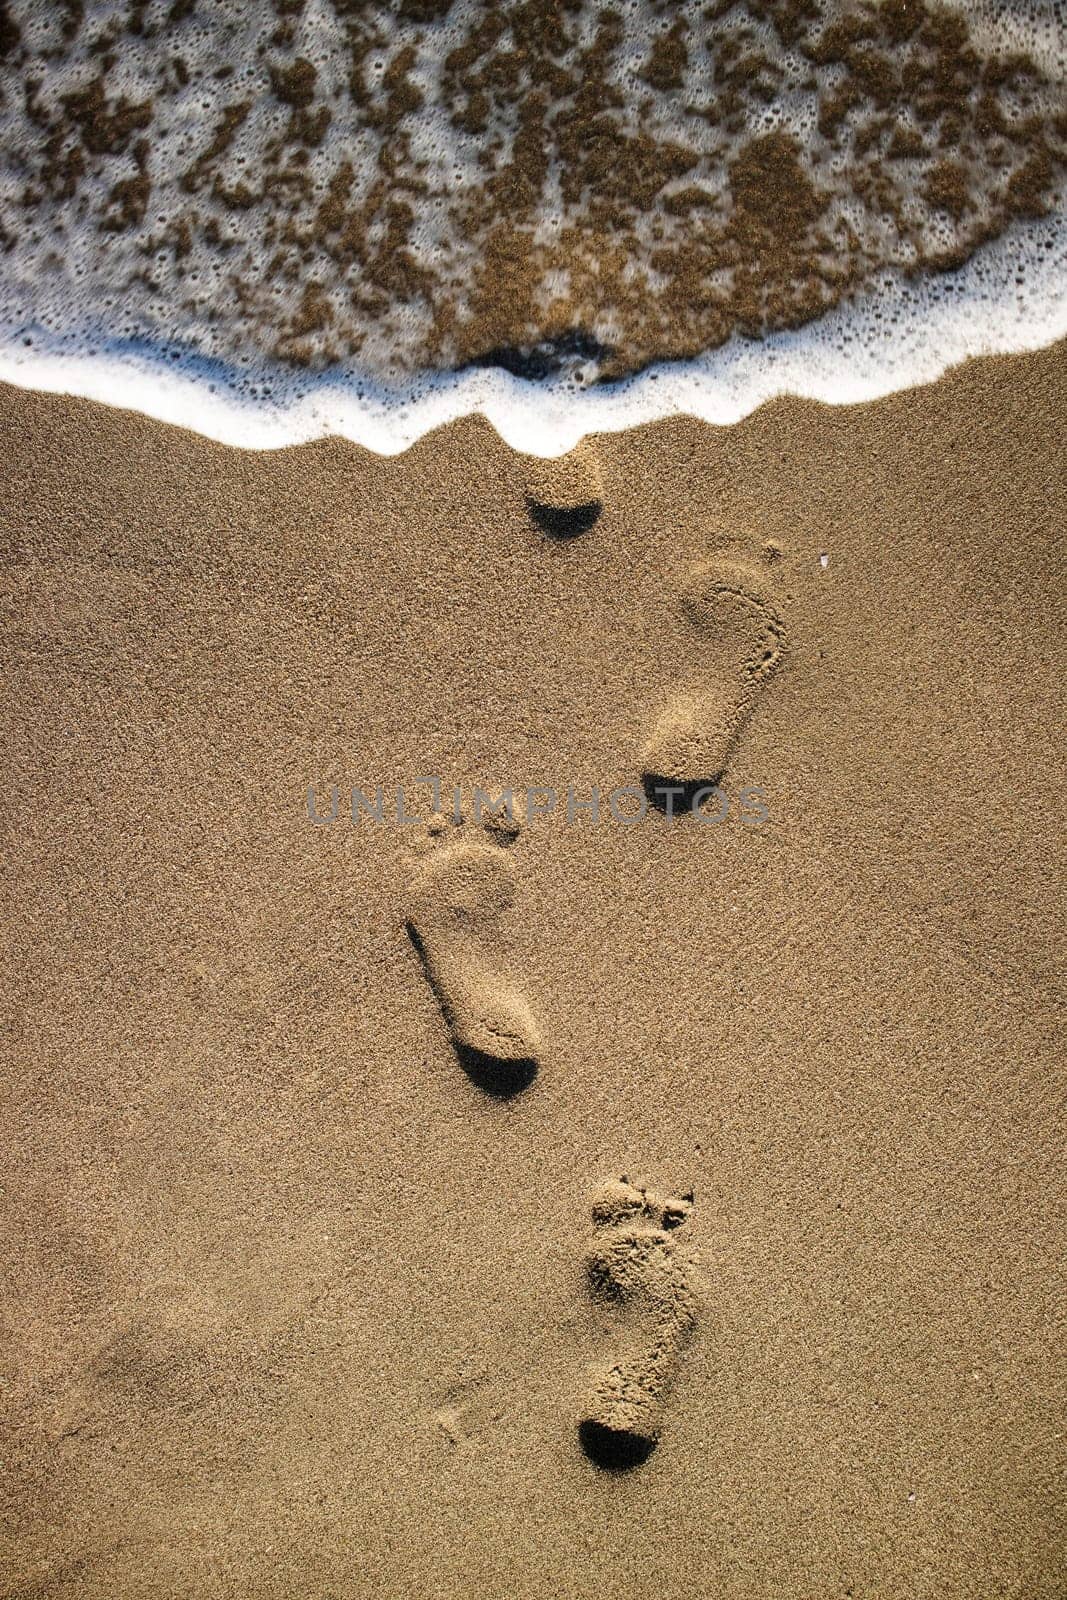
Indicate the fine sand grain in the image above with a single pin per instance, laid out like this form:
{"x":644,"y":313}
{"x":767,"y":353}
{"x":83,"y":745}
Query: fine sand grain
{"x":497,"y":1208}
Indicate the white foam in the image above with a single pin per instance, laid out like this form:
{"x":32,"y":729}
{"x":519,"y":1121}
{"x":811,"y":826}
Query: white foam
{"x":903,"y":334}
{"x":114,"y":317}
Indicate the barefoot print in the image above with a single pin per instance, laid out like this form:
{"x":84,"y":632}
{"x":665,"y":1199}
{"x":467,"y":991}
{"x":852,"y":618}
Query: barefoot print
{"x":638,"y":1264}
{"x":729,"y":601}
{"x":565,"y":496}
{"x":460,"y":891}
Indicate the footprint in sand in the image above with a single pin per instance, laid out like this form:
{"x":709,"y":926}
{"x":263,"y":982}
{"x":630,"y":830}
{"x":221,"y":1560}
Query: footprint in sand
{"x":637,"y":1264}
{"x":460,"y":891}
{"x":730,"y":603}
{"x":468,"y":1406}
{"x":565,"y":496}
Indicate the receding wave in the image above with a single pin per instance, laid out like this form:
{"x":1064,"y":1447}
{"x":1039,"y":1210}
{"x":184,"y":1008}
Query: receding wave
{"x":270,"y":220}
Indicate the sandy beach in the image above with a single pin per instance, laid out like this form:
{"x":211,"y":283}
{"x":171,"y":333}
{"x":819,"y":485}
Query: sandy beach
{"x":296,"y":1303}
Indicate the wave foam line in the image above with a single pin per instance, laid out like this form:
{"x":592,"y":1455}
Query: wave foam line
{"x":907,"y":333}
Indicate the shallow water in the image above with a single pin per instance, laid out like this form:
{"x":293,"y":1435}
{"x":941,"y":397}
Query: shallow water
{"x":273,"y":221}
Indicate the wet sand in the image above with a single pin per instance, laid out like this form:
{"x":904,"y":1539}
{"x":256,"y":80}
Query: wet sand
{"x":298,"y":1302}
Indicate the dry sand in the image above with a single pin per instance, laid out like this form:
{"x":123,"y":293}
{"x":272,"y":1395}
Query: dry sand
{"x":292,"y":1306}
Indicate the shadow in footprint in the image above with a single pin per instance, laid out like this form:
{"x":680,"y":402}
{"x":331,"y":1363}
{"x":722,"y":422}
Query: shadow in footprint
{"x":616,"y":1450}
{"x":672,"y":795}
{"x":501,"y":1079}
{"x":564,"y":522}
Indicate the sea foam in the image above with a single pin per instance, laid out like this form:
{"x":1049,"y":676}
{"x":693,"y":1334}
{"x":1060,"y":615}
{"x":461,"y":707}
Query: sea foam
{"x":569,"y":217}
